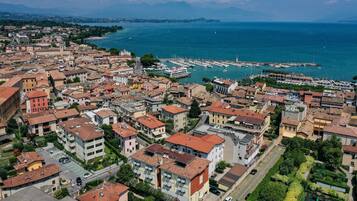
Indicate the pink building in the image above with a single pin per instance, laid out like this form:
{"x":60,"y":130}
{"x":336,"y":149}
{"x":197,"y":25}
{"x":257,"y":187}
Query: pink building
{"x":127,"y":136}
{"x":36,"y":101}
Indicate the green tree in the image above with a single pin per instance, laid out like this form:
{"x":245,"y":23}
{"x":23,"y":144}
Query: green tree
{"x":287,"y":166}
{"x":330,"y":152}
{"x":195,"y":109}
{"x":273,"y":191}
{"x":209,"y":87}
{"x":149,"y":60}
{"x":61,"y":193}
{"x":114,"y":51}
{"x":108,"y":131}
{"x":125,"y":174}
{"x":3,"y":173}
{"x":76,"y":80}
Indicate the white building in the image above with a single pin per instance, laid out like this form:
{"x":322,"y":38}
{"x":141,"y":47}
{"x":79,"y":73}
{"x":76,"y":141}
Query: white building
{"x":210,"y":147}
{"x":79,"y":136}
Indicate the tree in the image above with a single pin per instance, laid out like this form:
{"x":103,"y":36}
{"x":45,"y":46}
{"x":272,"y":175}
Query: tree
{"x":209,"y":87}
{"x":108,"y":131}
{"x":195,"y":109}
{"x":61,"y":193}
{"x":125,"y":174}
{"x":3,"y":173}
{"x":148,"y":60}
{"x":76,"y":80}
{"x":114,"y":51}
{"x":273,"y":191}
{"x":287,"y":166}
{"x":330,"y":152}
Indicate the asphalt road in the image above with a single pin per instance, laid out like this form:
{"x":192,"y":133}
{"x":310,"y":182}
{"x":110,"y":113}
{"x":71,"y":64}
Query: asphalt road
{"x":251,"y":181}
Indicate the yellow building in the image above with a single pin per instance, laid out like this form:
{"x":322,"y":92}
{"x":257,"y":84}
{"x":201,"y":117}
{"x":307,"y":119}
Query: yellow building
{"x":28,"y":161}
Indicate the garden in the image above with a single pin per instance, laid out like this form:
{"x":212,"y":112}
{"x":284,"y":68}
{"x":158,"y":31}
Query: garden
{"x":298,"y":171}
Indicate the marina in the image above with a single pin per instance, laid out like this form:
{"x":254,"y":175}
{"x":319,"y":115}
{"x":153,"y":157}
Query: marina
{"x":209,"y":63}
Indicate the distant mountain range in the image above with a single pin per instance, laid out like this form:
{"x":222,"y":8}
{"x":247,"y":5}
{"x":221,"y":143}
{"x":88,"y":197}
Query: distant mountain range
{"x":169,"y":10}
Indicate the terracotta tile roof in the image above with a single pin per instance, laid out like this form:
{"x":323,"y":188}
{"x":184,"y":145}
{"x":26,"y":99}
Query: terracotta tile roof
{"x":36,"y":94}
{"x":86,"y":107}
{"x":82,"y":127}
{"x":74,"y":72}
{"x":349,"y":148}
{"x":173,"y":109}
{"x":103,"y":113}
{"x":200,"y":144}
{"x":39,"y":119}
{"x":56,"y":75}
{"x":66,"y":113}
{"x":33,"y":176}
{"x":6,"y":93}
{"x":213,"y":138}
{"x":150,"y":121}
{"x":27,"y":158}
{"x":290,"y":121}
{"x":105,"y":192}
{"x":124,"y":130}
{"x":340,"y":130}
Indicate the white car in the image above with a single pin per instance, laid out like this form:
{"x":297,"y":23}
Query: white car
{"x":229,"y":198}
{"x":87,"y":174}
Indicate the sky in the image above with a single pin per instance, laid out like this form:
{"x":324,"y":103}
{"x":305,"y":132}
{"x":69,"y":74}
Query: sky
{"x":271,"y":10}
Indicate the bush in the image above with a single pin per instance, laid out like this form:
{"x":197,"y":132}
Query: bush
{"x":61,"y":193}
{"x":221,"y":166}
{"x":281,"y":178}
{"x":274,"y":191}
{"x":295,"y":192}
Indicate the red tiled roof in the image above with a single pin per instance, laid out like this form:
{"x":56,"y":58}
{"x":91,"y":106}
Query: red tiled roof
{"x":33,"y":176}
{"x":150,"y":122}
{"x":105,"y":113}
{"x":65,"y":113}
{"x":340,"y":130}
{"x":36,"y":94}
{"x":124,"y":130}
{"x":173,"y":109}
{"x":349,"y":148}
{"x":82,"y":127}
{"x":27,"y":158}
{"x":105,"y":192}
{"x":201,"y":144}
{"x":6,"y":93}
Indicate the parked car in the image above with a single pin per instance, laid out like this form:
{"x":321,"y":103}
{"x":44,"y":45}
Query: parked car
{"x":253,"y":172}
{"x":64,"y":160}
{"x":87,"y":174}
{"x":214,"y":190}
{"x":229,"y":198}
{"x":79,"y":181}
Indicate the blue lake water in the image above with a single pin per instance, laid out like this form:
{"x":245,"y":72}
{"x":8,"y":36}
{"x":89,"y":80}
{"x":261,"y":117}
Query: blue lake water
{"x":334,"y":46}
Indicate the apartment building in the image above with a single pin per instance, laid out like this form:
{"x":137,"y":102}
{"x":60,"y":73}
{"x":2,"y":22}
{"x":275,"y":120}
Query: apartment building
{"x":127,"y":136}
{"x":175,"y":114}
{"x":45,"y":178}
{"x":80,"y":136}
{"x":36,"y":101}
{"x":210,"y":147}
{"x":151,"y":127}
{"x":102,"y":116}
{"x":224,"y":86}
{"x":180,"y":175}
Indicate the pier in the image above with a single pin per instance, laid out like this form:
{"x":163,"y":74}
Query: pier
{"x":209,"y":63}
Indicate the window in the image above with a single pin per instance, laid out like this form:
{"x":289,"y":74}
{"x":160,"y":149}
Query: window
{"x":99,"y":144}
{"x":201,"y":178}
{"x":90,"y":147}
{"x":99,"y":151}
{"x":53,"y":181}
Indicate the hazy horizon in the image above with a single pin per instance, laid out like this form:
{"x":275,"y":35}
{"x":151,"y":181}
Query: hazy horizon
{"x":228,"y":10}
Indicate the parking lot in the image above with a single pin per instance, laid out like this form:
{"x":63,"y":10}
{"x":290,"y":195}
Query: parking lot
{"x":70,"y":170}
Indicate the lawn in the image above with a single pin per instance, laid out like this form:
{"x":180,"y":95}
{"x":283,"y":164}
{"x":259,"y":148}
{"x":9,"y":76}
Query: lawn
{"x":99,"y":163}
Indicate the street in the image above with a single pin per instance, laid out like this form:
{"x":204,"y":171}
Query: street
{"x":252,"y":181}
{"x":73,"y":169}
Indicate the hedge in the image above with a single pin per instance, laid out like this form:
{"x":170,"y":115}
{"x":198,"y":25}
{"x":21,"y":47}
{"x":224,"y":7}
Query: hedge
{"x":295,"y":192}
